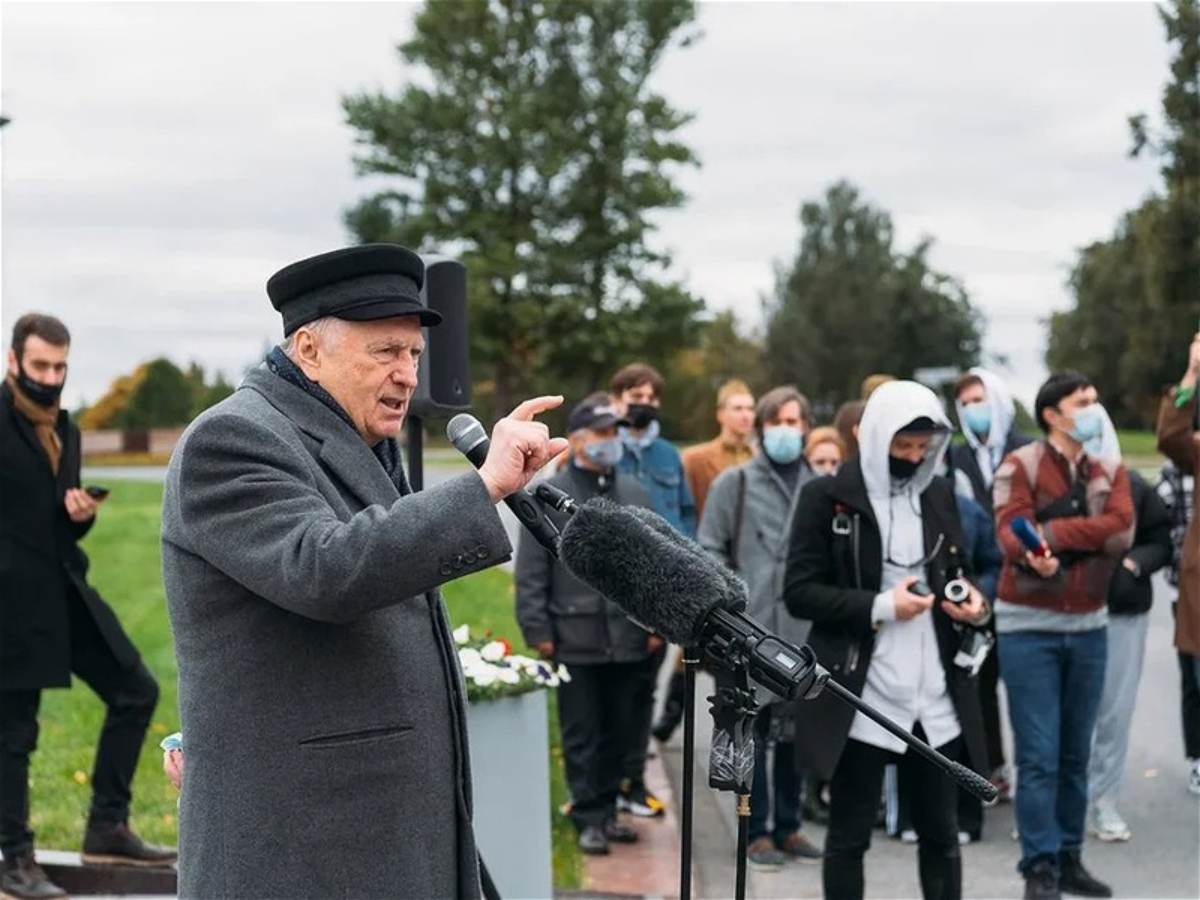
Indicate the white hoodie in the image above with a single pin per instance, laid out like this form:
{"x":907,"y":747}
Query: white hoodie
{"x":990,"y":453}
{"x":905,"y":680}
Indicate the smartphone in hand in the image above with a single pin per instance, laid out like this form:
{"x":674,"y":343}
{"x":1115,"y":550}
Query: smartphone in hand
{"x":96,"y":491}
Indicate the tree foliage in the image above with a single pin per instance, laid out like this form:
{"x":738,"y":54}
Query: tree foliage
{"x":851,"y":304}
{"x":531,"y":144}
{"x":157,"y":394}
{"x":695,"y":375}
{"x":1137,"y":294}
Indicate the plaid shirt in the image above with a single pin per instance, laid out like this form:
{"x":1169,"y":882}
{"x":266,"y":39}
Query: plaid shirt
{"x":1176,"y":492}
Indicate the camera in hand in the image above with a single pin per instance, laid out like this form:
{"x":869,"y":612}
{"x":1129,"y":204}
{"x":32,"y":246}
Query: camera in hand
{"x":957,"y":590}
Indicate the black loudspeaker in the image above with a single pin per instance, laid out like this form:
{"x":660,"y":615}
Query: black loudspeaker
{"x":444,"y":374}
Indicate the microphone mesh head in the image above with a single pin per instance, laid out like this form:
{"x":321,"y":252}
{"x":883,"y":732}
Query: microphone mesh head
{"x":465,"y":433}
{"x":659,"y":583}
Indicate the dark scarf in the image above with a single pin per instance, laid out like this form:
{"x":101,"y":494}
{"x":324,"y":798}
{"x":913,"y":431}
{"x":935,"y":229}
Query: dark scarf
{"x":789,"y":472}
{"x":386,"y":451}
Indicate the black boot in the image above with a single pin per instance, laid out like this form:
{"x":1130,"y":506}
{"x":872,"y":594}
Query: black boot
{"x":1041,"y":881}
{"x":1073,"y":878}
{"x":24,"y":879}
{"x":672,"y":713}
{"x":114,"y":844}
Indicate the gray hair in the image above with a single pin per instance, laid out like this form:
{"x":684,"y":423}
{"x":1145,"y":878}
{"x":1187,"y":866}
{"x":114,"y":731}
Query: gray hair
{"x":328,"y":330}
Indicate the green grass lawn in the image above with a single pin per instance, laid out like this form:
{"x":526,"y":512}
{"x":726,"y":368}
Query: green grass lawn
{"x":126,"y":569}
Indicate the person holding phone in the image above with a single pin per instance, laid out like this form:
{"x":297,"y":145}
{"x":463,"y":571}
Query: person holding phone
{"x":873,"y":550}
{"x":53,"y":623}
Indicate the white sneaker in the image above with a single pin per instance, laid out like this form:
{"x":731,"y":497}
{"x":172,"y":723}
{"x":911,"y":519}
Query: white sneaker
{"x":1106,"y":824}
{"x":1194,"y":777}
{"x":908,"y":836}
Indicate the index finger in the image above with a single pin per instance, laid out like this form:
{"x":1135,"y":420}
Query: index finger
{"x":535,"y":405}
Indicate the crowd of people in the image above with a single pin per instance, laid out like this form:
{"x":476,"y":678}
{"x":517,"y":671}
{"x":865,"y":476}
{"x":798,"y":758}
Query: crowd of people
{"x":319,"y":687}
{"x":846,"y":536}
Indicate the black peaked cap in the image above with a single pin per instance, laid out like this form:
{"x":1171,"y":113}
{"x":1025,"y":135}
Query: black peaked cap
{"x":369,"y":281}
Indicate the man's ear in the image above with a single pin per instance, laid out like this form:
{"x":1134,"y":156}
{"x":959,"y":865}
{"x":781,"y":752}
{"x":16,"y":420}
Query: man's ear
{"x":306,"y":352}
{"x":13,"y":367}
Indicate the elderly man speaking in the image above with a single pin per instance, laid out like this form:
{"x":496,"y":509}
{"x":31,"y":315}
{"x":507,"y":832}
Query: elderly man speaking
{"x":319,"y":688}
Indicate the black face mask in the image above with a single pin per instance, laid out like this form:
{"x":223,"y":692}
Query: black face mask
{"x":41,"y":394}
{"x":640,"y":415}
{"x":903,"y":468}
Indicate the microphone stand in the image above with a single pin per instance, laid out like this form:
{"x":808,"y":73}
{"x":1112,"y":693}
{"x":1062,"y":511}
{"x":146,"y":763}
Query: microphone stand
{"x":691,"y":661}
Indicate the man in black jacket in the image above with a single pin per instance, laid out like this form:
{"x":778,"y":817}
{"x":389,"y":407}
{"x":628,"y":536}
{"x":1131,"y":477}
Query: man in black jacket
{"x":862,"y":541}
{"x":52,"y":623}
{"x":570,"y":623}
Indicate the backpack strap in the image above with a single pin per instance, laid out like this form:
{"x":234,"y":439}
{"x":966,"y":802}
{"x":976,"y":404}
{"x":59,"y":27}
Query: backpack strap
{"x":738,"y":515}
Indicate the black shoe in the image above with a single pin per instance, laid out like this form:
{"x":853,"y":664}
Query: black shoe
{"x":618,"y":833}
{"x":593,"y":841}
{"x":1041,"y":881}
{"x":1073,"y":878}
{"x":24,"y":879}
{"x":113,"y":844}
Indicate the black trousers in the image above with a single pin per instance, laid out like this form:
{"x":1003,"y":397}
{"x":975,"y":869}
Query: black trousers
{"x":639,"y":738}
{"x":1189,"y":705}
{"x":853,"y":807}
{"x":130,"y":695}
{"x":596,"y":717}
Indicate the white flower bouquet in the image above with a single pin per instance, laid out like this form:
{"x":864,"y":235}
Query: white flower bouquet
{"x":491,"y":670}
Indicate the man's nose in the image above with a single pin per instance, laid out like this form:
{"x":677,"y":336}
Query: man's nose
{"x":406,"y":374}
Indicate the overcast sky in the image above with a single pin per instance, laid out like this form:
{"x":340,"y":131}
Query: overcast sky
{"x":165,"y":158}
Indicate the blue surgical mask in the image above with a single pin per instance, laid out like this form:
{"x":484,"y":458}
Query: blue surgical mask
{"x":782,"y":443}
{"x":1089,"y":423}
{"x":605,"y":454}
{"x":977,"y":417}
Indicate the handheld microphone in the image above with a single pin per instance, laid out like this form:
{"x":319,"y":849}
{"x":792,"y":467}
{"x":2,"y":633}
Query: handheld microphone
{"x":1028,"y":535}
{"x":471,"y":440}
{"x":679,"y":593}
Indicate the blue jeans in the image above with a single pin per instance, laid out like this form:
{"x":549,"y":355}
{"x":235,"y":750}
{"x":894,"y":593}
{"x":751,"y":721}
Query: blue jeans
{"x":774,"y":795}
{"x":1054,"y":680}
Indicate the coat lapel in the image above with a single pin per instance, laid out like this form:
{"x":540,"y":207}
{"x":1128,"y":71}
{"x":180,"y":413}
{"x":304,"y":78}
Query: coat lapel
{"x":345,"y":454}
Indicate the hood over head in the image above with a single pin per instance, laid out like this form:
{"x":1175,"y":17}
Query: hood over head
{"x":1000,"y":404}
{"x":893,"y":406}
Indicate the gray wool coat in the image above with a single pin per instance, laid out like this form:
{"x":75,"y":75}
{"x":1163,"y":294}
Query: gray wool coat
{"x":757,"y":548}
{"x":320,"y":696}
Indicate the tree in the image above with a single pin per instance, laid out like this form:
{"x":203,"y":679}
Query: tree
{"x":1096,"y":336}
{"x":534,"y":148}
{"x":1137,"y":295}
{"x":162,"y":398}
{"x":722,"y":353}
{"x":157,"y":394}
{"x":850,"y":304}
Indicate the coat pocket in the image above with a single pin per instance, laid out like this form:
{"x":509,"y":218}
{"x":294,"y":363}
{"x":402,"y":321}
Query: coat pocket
{"x":358,"y":736}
